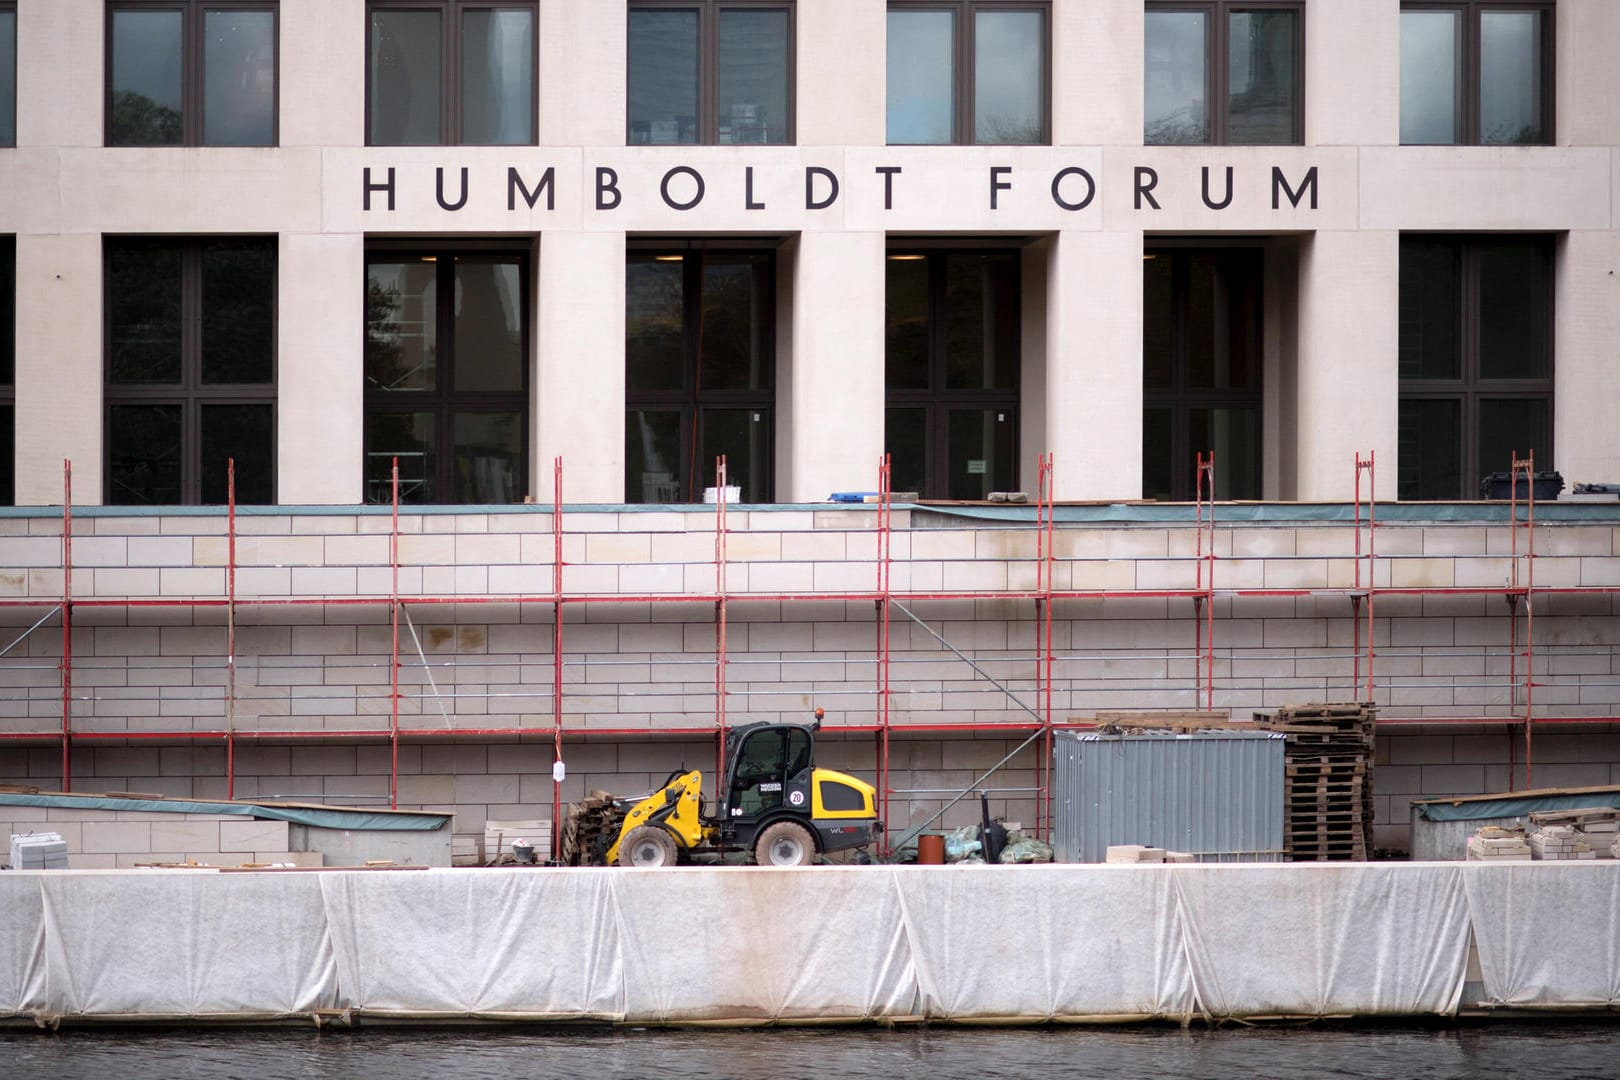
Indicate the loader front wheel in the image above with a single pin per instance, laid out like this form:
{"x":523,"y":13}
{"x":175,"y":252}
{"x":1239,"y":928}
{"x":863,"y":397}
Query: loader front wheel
{"x":786,"y":843}
{"x":647,"y":846}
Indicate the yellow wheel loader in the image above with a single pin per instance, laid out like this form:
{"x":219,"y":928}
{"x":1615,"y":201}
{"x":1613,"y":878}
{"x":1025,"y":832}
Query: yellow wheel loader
{"x":774,"y":805}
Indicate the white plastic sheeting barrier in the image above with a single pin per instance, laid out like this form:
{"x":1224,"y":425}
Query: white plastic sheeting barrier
{"x":822,"y":944}
{"x":1336,"y":939}
{"x":1548,"y":934}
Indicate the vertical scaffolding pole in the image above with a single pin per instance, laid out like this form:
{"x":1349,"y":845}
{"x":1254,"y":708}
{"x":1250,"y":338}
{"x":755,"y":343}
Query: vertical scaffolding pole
{"x":719,"y":624}
{"x":230,"y":628}
{"x":1525,"y":467}
{"x":556,"y":653}
{"x":1046,"y":567}
{"x":1364,"y":605}
{"x":1204,"y":604}
{"x":393,"y":621}
{"x":884,"y":565}
{"x":67,"y":625}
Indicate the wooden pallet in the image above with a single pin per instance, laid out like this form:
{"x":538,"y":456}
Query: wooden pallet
{"x":1327,"y":780}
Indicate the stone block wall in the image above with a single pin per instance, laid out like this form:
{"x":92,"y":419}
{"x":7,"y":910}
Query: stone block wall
{"x":314,"y":642}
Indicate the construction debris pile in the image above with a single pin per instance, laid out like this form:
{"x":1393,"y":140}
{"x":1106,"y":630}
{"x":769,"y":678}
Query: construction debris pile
{"x":1492,"y":843}
{"x":966,"y":845}
{"x":1140,"y":853}
{"x":1328,"y":762}
{"x":1591,"y":832}
{"x":589,"y":829}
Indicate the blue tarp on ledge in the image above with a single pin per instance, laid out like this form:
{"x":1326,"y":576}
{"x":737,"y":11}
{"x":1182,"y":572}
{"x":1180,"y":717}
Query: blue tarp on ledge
{"x":321,"y":817}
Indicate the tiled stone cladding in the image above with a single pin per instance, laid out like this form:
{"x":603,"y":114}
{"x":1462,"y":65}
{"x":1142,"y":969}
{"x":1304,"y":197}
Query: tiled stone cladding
{"x":485,"y":661}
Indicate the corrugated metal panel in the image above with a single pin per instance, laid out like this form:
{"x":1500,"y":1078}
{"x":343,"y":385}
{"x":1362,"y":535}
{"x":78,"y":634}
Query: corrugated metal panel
{"x":1217,"y":795}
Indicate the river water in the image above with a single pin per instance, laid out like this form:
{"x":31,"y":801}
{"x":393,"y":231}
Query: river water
{"x":1482,"y":1052}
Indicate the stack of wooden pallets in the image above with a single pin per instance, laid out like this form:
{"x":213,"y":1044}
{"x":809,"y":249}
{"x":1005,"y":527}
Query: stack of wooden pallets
{"x":1328,"y":780}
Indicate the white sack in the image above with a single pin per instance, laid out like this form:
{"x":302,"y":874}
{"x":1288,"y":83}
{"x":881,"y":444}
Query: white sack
{"x":1548,"y":933}
{"x":22,"y":942}
{"x":1046,"y":942}
{"x":763,"y":943}
{"x":185,"y":943}
{"x":535,"y":943}
{"x":1368,"y":939}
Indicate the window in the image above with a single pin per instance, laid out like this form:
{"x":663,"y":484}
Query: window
{"x":451,"y":72}
{"x":700,"y":359}
{"x":8,"y":73}
{"x":1476,"y":72}
{"x":968,"y":71}
{"x":188,"y":73}
{"x":8,"y":368}
{"x":710,"y":71}
{"x":1201,"y":355}
{"x":951,"y":366}
{"x":190,"y":367}
{"x":1244,"y":57}
{"x":447,"y":374}
{"x":1476,"y":360}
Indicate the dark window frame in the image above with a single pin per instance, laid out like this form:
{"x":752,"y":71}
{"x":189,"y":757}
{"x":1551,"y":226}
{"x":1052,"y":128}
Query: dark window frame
{"x":939,"y":400}
{"x":11,"y":6}
{"x":691,"y":400}
{"x":1217,"y":61}
{"x":1468,"y":92}
{"x":444,"y":402}
{"x":708,"y":102}
{"x":193,"y":76}
{"x":1180,"y":398}
{"x":1470,"y":388}
{"x":964,"y":63}
{"x":191,"y":393}
{"x":450,"y":103}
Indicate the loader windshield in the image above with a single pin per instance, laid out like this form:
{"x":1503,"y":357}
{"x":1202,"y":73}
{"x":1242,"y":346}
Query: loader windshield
{"x":765,"y":761}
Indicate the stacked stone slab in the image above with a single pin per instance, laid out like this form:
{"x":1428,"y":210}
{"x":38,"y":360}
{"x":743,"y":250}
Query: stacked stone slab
{"x":1597,"y":826}
{"x":1328,"y":779}
{"x":1133,"y":853}
{"x":1494,"y":844}
{"x":1553,"y":842}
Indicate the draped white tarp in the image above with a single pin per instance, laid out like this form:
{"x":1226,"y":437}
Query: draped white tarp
{"x":1046,"y":943}
{"x":1548,"y":934}
{"x":185,"y":944}
{"x":22,"y":945}
{"x":1326,"y":939}
{"x":751,"y":943}
{"x":828,"y":944}
{"x":540,"y":944}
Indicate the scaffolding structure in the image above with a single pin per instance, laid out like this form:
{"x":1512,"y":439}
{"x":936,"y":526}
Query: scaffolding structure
{"x":1520,"y":593}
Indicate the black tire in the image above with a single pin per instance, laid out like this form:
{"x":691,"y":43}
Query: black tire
{"x":785,"y":843}
{"x":647,"y":846}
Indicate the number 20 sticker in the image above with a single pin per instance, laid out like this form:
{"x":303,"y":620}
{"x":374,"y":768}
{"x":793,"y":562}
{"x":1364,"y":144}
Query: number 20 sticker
{"x":796,"y":798}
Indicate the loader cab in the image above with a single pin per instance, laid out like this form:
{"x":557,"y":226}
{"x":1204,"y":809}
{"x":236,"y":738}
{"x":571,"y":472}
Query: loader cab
{"x":768,"y":769}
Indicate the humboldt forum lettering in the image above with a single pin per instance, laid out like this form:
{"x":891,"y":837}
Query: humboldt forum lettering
{"x":684,"y":187}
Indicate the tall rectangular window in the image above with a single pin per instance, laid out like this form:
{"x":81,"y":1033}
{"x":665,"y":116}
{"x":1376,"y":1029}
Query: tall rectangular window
{"x":8,"y":369}
{"x":1201,"y":355}
{"x":1226,"y":72}
{"x":447,"y":374}
{"x":191,"y":73}
{"x":951,"y":368}
{"x":968,"y":71}
{"x":8,"y":73}
{"x":700,"y":360}
{"x":1476,"y":360}
{"x":190,"y":369}
{"x":1477,"y":72}
{"x":451,"y":72}
{"x":714,"y":72}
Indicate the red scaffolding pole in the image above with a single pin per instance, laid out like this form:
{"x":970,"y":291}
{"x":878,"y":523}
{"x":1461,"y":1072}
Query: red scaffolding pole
{"x":230,"y":628}
{"x":884,"y":566}
{"x":393,"y":636}
{"x":1525,"y":586}
{"x":556,"y":654}
{"x":1045,"y":569}
{"x":719,"y":624}
{"x":1204,"y":601}
{"x":1361,"y":600}
{"x":67,"y":625}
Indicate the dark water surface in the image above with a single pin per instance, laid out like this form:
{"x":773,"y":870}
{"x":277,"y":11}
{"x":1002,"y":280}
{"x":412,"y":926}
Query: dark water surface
{"x":1162,"y":1053}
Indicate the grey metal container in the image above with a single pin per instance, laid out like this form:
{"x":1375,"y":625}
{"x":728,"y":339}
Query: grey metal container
{"x":1217,"y":795}
{"x":1439,"y":841}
